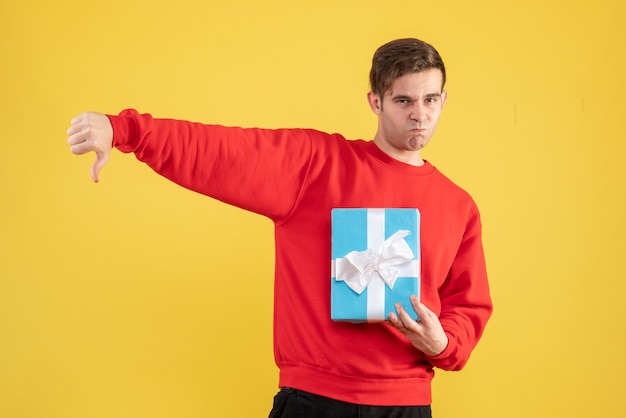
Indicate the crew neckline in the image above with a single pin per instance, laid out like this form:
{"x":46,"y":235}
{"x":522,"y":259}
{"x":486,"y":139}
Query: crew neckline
{"x":396,"y":165}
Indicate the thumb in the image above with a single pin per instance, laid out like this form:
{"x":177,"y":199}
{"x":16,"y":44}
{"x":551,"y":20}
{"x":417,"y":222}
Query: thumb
{"x":101,"y":159}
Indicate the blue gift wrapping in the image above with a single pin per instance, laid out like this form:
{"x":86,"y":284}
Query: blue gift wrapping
{"x":375,"y":262}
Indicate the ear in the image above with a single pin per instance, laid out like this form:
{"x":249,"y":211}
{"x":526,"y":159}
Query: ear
{"x":375,"y":102}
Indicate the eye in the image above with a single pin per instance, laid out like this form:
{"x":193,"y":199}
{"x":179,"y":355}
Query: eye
{"x":404,"y":102}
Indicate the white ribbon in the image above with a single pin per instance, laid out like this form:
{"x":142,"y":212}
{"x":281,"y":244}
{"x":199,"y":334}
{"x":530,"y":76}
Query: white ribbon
{"x":358,"y":268}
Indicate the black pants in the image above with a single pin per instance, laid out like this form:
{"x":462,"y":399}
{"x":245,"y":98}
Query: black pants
{"x":293,"y":403}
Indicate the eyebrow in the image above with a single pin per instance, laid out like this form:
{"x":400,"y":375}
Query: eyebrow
{"x":406,"y":97}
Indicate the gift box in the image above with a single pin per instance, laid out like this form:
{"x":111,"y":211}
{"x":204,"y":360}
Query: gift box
{"x":375,"y":262}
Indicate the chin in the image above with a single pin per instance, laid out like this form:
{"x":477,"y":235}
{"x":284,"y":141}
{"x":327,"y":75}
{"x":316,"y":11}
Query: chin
{"x":416,"y":144}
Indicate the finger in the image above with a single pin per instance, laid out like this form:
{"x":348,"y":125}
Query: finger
{"x":425,"y":314}
{"x":394,"y":318}
{"x":405,"y":318}
{"x":420,"y":309}
{"x":78,"y":118}
{"x":73,"y":129}
{"x":82,"y":148}
{"x":395,"y":321}
{"x":76,"y":124}
{"x":76,"y":138}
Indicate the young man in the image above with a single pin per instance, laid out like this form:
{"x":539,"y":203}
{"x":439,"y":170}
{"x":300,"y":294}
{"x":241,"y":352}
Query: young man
{"x":332,"y":368}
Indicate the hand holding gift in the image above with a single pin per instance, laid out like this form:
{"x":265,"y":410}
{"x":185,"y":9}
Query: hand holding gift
{"x":426,"y":334}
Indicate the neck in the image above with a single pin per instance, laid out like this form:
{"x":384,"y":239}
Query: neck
{"x":408,"y":157}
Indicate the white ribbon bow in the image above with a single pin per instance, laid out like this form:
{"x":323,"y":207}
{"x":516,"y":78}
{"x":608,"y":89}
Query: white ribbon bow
{"x":358,"y":268}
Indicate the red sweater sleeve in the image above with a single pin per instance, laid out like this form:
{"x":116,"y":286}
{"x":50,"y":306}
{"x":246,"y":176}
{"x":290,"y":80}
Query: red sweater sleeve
{"x":247,"y":168}
{"x":465,"y":299}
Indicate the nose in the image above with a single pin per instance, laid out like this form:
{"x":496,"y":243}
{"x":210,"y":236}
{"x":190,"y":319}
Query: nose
{"x":418,"y":113}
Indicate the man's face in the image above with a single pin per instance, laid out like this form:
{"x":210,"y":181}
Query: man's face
{"x":408,"y":114}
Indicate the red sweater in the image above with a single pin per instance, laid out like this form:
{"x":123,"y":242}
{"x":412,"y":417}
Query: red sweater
{"x":295,"y":177}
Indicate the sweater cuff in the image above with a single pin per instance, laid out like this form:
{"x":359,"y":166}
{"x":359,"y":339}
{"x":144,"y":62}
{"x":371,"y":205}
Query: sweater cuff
{"x":123,"y":130}
{"x":446,"y":353}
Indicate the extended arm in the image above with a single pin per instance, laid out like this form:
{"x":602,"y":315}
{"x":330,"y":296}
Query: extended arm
{"x":247,"y":168}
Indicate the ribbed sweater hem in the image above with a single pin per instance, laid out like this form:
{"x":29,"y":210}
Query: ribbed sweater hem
{"x":358,"y":390}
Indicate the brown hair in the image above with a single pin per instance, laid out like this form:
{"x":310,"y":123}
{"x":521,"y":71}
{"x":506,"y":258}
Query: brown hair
{"x":402,"y":56}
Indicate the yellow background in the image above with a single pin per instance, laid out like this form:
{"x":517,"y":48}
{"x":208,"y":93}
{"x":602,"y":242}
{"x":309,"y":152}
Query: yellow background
{"x":136,"y":298}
